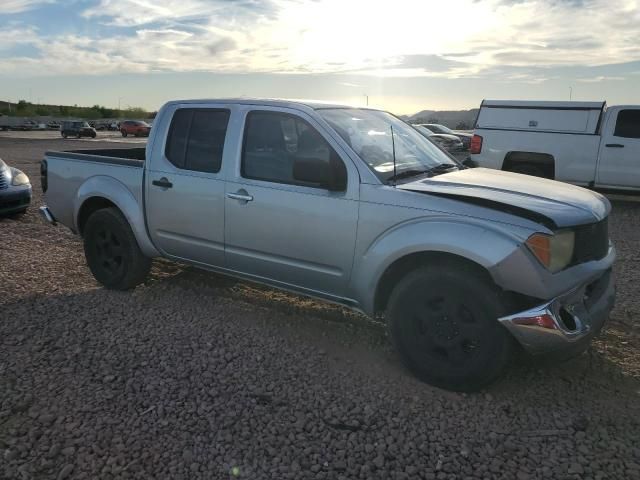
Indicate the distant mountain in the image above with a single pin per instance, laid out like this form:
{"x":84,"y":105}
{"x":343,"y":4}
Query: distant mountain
{"x":457,"y":119}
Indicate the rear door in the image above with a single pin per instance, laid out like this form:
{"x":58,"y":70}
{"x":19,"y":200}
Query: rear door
{"x":278,"y":228}
{"x":185,"y":188}
{"x":619,"y":163}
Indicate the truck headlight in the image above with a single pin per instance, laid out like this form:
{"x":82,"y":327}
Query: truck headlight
{"x":553,"y":251}
{"x":19,"y":178}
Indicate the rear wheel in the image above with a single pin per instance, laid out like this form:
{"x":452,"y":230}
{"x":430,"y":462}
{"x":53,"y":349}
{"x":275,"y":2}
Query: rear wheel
{"x":112,"y":252}
{"x":443,"y":321}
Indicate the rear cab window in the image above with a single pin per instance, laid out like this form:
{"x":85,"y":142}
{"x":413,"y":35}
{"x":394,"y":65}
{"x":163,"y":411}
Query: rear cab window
{"x":628,"y":124}
{"x":196,"y":139}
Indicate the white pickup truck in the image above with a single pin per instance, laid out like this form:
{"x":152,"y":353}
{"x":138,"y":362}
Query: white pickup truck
{"x":584,"y":143}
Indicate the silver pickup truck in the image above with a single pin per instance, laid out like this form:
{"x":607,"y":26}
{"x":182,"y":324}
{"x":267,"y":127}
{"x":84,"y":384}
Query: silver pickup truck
{"x":354,"y":206}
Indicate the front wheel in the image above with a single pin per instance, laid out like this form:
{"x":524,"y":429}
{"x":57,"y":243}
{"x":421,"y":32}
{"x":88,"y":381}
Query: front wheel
{"x":443,"y":321}
{"x":124,"y":133}
{"x":112,"y":252}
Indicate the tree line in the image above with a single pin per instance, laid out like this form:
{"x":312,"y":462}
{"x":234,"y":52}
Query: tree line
{"x":28,"y":109}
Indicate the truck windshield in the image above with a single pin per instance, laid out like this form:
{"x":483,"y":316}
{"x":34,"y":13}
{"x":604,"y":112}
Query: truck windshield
{"x":368,"y":133}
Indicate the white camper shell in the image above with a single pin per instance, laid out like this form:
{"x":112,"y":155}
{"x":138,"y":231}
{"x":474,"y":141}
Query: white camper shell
{"x":586,"y":143}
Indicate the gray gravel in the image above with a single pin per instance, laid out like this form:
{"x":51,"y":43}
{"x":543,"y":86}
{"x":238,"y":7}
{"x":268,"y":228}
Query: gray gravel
{"x":196,"y":376}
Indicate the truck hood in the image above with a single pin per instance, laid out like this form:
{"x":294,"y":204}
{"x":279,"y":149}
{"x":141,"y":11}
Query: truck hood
{"x":551,"y":203}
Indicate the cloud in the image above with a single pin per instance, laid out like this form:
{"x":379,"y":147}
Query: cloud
{"x":126,"y":13}
{"x":519,"y":41}
{"x":18,"y":6}
{"x":599,"y":78}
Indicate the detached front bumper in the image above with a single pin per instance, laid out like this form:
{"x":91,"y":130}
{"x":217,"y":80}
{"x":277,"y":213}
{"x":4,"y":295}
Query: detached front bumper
{"x":566,"y":323}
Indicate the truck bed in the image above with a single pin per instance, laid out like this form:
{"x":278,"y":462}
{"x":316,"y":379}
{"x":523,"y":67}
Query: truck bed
{"x":131,"y":157}
{"x":76,"y":175}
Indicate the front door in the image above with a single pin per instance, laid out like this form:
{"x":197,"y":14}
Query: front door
{"x":282,"y":229}
{"x":619,"y":163}
{"x":185,"y":190}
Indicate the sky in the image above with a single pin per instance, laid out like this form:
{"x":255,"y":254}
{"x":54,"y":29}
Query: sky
{"x":404,"y":55}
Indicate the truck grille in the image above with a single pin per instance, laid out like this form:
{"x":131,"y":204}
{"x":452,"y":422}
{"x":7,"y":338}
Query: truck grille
{"x":592,"y":242}
{"x":4,"y":180}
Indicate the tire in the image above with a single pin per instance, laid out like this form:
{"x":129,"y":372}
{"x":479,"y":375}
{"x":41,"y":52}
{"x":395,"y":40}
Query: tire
{"x":78,"y":135}
{"x":124,"y":133}
{"x":18,"y":214}
{"x":112,"y":252}
{"x":442,"y":321}
{"x":94,"y":135}
{"x":64,"y":135}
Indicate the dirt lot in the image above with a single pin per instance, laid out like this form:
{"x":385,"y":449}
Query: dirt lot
{"x":197,"y":376}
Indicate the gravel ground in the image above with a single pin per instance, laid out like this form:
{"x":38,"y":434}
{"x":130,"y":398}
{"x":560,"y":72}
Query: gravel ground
{"x":196,"y":376}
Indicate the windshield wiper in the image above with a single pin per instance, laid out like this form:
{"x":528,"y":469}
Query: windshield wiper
{"x":442,"y":167}
{"x":412,"y":172}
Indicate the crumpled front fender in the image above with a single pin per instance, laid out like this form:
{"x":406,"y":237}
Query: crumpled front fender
{"x":484,"y":244}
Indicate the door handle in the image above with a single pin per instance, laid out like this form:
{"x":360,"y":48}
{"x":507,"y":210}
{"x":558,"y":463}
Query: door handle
{"x":163,"y":182}
{"x":614,"y":145}
{"x":241,"y":195}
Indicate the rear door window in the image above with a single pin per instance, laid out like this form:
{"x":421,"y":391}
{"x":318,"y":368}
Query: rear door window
{"x":628,"y":124}
{"x":196,"y":139}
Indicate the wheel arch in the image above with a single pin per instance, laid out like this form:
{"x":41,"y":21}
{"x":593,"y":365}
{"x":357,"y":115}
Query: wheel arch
{"x":543,"y":161}
{"x":408,"y":263}
{"x":481,"y":245}
{"x":106,"y":192}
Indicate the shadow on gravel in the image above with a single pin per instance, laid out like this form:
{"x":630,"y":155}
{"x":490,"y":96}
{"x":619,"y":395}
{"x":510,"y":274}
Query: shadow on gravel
{"x":199,"y":374}
{"x":337,"y":331}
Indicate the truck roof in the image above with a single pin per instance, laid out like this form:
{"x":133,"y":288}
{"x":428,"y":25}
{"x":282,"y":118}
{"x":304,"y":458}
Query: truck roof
{"x":555,"y":105}
{"x":272,"y":102}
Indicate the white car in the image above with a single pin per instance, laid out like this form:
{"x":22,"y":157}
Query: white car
{"x":584,"y":143}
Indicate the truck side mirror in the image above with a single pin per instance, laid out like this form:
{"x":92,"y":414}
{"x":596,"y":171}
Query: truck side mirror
{"x":331,"y":175}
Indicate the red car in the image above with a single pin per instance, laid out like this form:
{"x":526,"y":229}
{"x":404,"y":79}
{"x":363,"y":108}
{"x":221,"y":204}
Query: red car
{"x":135,"y":127}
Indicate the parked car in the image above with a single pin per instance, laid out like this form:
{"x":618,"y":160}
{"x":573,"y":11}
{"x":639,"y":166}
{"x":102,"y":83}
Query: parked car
{"x":585,"y":143}
{"x":450,"y":143}
{"x":465,"y":137}
{"x":77,"y":129}
{"x":24,"y":126}
{"x":135,"y":127}
{"x":53,"y":125}
{"x":15,"y":190}
{"x":464,"y":264}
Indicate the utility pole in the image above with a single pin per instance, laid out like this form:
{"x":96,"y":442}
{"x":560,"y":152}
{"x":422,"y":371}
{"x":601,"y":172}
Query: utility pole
{"x":570,"y":93}
{"x":367,"y":99}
